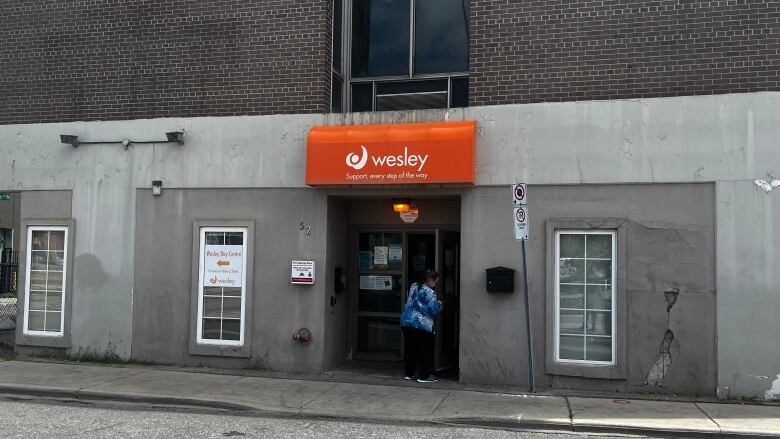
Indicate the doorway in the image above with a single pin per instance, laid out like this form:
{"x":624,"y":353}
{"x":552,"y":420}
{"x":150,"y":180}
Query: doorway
{"x":387,"y":261}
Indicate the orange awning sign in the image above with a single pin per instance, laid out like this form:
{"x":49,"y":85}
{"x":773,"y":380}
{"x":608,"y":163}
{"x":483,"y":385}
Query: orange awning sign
{"x":434,"y":152}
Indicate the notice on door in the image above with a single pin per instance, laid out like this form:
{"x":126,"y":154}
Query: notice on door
{"x":395,"y":253}
{"x":377,"y":283}
{"x":380,"y":255}
{"x":223,"y":266}
{"x":302,"y":272}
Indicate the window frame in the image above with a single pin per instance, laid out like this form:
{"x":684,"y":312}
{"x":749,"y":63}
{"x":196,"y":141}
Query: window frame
{"x":28,"y":280}
{"x":338,"y":72}
{"x":347,"y":80}
{"x":230,"y":348}
{"x":617,"y":369}
{"x":45,"y":338}
{"x":613,"y":299}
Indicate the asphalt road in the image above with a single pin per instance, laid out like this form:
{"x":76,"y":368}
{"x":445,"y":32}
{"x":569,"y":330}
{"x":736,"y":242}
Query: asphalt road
{"x":22,"y":417}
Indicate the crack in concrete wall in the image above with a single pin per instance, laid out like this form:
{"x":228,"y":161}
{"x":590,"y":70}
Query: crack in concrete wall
{"x":663,"y":363}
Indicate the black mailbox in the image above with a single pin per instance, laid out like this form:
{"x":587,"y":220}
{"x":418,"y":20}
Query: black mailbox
{"x":500,"y":280}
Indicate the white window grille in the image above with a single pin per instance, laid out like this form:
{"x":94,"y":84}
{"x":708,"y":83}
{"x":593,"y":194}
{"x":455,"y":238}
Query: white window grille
{"x":45,"y":280}
{"x":222,"y":306}
{"x":585,"y":302}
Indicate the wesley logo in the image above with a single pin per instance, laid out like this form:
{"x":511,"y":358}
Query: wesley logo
{"x":357,"y":162}
{"x":402,"y":160}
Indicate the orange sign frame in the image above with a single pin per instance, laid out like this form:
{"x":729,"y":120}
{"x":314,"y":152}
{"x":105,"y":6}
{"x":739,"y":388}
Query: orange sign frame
{"x":410,"y":153}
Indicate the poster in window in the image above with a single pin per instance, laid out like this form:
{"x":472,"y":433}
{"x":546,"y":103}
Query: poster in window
{"x":366,"y":261}
{"x":395,"y":253}
{"x":223,"y":266}
{"x":376,"y":283}
{"x":380,"y":255}
{"x":384,"y":283}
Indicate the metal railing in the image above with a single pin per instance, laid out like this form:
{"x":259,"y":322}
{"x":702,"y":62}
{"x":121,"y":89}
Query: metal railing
{"x":9,"y":269}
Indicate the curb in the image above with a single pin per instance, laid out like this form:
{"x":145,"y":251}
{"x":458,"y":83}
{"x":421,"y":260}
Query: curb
{"x":52,"y":392}
{"x":239,"y":409}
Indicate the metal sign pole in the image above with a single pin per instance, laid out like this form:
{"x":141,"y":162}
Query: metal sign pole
{"x":531,"y":387}
{"x":520,"y":214}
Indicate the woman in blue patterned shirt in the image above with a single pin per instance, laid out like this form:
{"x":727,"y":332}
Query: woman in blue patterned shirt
{"x":417,"y":323}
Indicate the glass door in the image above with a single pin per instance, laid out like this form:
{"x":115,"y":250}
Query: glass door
{"x":380,"y":295}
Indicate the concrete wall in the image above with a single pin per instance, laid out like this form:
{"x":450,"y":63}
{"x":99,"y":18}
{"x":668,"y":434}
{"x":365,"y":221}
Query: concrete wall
{"x":336,"y":312}
{"x":44,"y":205}
{"x":748,"y":285}
{"x":686,"y":139}
{"x":666,"y":248}
{"x":729,"y":139}
{"x":163,"y":286}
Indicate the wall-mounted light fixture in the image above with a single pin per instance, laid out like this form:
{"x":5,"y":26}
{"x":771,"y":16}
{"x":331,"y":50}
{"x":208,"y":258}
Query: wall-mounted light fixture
{"x":70,"y":140}
{"x":157,"y":188}
{"x":401,"y":205}
{"x":175,"y":136}
{"x":171,"y":137}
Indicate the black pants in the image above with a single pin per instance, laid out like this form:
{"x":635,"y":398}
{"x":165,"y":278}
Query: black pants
{"x":418,"y":348}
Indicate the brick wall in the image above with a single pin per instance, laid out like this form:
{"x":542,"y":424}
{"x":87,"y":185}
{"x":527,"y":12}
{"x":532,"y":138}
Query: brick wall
{"x":113,"y":59}
{"x":110,"y":59}
{"x":561,"y":50}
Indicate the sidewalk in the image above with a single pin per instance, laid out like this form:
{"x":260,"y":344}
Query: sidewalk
{"x":400,"y":401}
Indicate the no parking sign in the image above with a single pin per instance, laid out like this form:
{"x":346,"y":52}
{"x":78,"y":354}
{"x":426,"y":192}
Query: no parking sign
{"x":519,"y":192}
{"x":521,"y":222}
{"x":520,"y":210}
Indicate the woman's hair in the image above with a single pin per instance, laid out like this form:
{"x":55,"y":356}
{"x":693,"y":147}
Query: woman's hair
{"x":429,"y":275}
{"x":424,"y":276}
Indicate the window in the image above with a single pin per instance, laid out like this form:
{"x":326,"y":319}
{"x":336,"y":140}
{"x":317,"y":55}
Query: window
{"x":408,"y":54}
{"x":45,"y":280}
{"x":585,"y":280}
{"x":222,"y":286}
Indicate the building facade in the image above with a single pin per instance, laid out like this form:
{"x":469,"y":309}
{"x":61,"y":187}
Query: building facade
{"x":646,"y":132}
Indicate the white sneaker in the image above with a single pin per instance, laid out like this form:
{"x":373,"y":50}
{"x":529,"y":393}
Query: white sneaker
{"x":407,"y":377}
{"x":430,"y":379}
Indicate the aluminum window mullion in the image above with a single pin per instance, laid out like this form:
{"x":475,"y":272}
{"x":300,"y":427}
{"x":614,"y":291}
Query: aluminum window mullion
{"x":346,"y":55}
{"x":411,"y":36}
{"x":557,"y":322}
{"x":449,"y":92}
{"x":420,"y":77}
{"x":373,"y":95}
{"x":414,"y":93}
{"x":613,"y":301}
{"x":46,"y":285}
{"x":585,"y":301}
{"x":341,"y":71}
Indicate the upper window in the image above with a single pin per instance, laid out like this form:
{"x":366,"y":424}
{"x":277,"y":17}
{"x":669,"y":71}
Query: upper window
{"x":406,"y":54}
{"x":409,"y":37}
{"x":222,"y":286}
{"x":45,"y":280}
{"x":585,"y":296}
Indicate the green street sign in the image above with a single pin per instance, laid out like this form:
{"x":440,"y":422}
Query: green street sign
{"x":4,"y":196}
